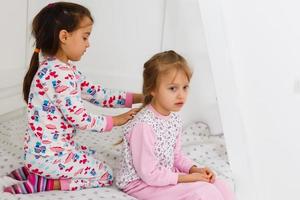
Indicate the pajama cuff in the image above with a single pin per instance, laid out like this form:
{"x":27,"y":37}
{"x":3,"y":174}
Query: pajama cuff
{"x":65,"y":184}
{"x":109,"y":123}
{"x":129,"y":100}
{"x":174,"y":179}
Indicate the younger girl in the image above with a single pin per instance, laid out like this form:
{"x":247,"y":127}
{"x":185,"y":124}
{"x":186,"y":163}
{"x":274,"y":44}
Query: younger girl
{"x":53,"y":90}
{"x":153,"y":166}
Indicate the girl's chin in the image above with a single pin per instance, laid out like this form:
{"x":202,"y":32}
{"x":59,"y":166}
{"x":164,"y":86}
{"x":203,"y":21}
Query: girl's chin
{"x":176,"y":109}
{"x":75,"y":59}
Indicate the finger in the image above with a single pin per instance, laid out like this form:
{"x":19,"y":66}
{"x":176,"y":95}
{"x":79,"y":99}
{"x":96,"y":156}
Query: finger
{"x":212,"y":180}
{"x":209,"y":177}
{"x":132,"y":112}
{"x":205,"y":178}
{"x":214,"y":177}
{"x":135,"y":110}
{"x":207,"y":173}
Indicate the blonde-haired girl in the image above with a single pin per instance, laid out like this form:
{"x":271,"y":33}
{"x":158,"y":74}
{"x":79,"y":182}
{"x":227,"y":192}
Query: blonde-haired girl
{"x":153,"y":166}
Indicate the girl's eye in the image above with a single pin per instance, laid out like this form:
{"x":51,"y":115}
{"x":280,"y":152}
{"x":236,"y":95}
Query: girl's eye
{"x":172,"y":89}
{"x":186,"y":87}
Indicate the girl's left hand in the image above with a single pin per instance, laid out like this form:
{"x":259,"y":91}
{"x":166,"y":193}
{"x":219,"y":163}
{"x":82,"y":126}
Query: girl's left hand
{"x":208,"y":172}
{"x":125,"y":117}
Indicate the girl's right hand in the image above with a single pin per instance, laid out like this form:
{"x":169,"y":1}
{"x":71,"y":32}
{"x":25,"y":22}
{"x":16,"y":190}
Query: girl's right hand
{"x":201,"y":177}
{"x":193,"y":177}
{"x":125,"y":117}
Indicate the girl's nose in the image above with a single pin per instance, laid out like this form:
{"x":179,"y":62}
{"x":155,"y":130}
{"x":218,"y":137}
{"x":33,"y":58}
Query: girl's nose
{"x":180,"y":94}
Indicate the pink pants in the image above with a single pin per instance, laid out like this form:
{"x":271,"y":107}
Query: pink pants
{"x":219,"y":190}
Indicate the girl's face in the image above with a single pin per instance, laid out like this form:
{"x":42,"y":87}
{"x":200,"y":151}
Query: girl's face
{"x":171,"y":92}
{"x":74,"y":44}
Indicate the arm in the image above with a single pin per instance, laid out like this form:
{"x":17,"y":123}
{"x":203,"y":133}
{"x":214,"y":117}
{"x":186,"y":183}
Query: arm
{"x":142,"y":142}
{"x":65,"y":94}
{"x":138,"y":98}
{"x":146,"y":165}
{"x":105,"y":97}
{"x":184,"y":164}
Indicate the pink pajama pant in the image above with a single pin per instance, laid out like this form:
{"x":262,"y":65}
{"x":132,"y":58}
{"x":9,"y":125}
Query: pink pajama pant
{"x":219,"y":190}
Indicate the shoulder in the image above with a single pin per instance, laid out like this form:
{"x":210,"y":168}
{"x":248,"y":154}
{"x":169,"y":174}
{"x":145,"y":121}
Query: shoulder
{"x":143,"y":117}
{"x":55,"y":67}
{"x":54,"y":71}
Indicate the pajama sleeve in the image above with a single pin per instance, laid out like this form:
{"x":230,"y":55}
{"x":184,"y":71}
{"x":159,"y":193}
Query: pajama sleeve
{"x":65,"y":94}
{"x":181,"y":162}
{"x":142,"y":142}
{"x":104,"y":97}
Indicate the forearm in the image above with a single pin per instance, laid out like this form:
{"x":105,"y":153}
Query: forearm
{"x":137,"y":98}
{"x":186,"y":178}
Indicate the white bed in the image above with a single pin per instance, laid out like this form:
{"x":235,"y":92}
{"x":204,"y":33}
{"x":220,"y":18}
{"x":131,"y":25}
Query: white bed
{"x":197,"y":143}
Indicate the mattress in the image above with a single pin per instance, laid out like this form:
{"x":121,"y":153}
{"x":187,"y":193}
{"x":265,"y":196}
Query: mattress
{"x":197,"y":143}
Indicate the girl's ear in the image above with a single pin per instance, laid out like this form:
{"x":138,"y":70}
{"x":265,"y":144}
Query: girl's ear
{"x":63,"y":36}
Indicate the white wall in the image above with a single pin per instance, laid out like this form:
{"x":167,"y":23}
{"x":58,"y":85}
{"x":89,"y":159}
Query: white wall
{"x":256,"y":46}
{"x":127,"y":33}
{"x":12,"y":54}
{"x":183,"y":32}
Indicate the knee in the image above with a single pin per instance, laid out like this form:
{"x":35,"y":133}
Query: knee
{"x":225,"y":189}
{"x":108,"y":170}
{"x":209,"y":192}
{"x":220,"y":182}
{"x":107,"y":177}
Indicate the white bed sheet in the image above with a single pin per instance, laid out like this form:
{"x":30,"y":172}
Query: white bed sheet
{"x":197,"y":143}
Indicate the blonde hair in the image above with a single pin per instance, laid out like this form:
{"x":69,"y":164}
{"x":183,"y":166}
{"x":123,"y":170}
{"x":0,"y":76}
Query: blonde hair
{"x":158,"y":65}
{"x":155,"y":68}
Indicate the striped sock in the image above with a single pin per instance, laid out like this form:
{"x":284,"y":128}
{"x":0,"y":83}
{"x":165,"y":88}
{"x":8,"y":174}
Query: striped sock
{"x":19,"y":174}
{"x":34,"y":184}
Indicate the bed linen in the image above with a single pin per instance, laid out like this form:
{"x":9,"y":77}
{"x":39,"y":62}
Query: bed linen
{"x":197,"y":143}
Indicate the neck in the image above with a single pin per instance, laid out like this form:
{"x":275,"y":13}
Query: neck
{"x":160,"y":109}
{"x":61,"y":56}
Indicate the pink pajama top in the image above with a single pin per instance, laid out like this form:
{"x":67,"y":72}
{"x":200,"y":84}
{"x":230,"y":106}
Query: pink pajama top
{"x":152,"y":151}
{"x":55,"y":108}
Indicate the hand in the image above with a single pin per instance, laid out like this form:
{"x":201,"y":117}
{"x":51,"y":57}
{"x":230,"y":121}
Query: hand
{"x":125,"y":117}
{"x":200,"y":177}
{"x":211,"y":175}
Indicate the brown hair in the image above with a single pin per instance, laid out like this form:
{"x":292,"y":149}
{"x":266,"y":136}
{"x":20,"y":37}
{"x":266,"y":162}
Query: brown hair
{"x":158,"y":65}
{"x":46,"y":26}
{"x":155,"y":67}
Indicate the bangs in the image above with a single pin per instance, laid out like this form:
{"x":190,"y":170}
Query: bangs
{"x":177,"y":66}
